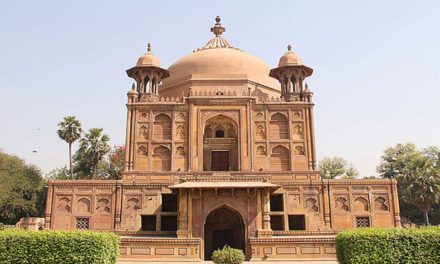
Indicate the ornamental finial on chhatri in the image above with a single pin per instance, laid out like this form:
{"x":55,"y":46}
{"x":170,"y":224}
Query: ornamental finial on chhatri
{"x":149,"y":47}
{"x":217,"y":29}
{"x":289,"y":48}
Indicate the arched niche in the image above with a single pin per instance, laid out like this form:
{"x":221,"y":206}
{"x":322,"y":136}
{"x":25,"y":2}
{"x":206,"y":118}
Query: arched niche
{"x":280,"y":159}
{"x":162,"y":127}
{"x":220,"y":144}
{"x":161,"y":159}
{"x":279,"y":127}
{"x":360,"y":204}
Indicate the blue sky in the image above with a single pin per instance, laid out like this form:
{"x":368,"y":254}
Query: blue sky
{"x":376,"y":66}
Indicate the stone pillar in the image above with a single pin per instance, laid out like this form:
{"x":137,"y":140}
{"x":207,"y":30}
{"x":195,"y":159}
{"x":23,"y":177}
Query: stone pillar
{"x":326,"y":201}
{"x":266,"y":230}
{"x":118,"y":204}
{"x":395,"y":199}
{"x":182,"y":229}
{"x":49,"y":202}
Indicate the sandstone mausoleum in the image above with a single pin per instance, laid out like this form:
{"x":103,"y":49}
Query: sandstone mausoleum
{"x":220,"y":149}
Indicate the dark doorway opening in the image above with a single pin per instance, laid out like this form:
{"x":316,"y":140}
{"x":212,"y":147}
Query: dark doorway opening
{"x":223,"y":227}
{"x":220,"y":160}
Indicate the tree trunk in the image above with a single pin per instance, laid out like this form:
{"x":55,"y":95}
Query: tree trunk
{"x":70,"y":161}
{"x":426,"y":217}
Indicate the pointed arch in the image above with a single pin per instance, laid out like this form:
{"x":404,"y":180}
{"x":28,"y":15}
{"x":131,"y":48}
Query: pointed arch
{"x":162,"y":127}
{"x":279,"y":128}
{"x":280,"y":158}
{"x":161,"y":158}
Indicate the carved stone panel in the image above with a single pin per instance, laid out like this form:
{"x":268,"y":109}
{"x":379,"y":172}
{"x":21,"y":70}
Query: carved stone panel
{"x":64,"y":204}
{"x":298,"y":149}
{"x":341,"y":204}
{"x":381,"y":203}
{"x":103,"y":205}
{"x":311,"y":204}
{"x":297,"y":131}
{"x":180,"y":131}
{"x":260,"y":131}
{"x":143,"y":131}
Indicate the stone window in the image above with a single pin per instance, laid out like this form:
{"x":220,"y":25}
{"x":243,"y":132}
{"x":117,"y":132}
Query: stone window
{"x":82,"y":223}
{"x":297,"y":222}
{"x":148,"y":223}
{"x":276,"y":203}
{"x":363,"y":221}
{"x":168,"y":223}
{"x":276,"y":222}
{"x":219,"y":134}
{"x":169,"y":203}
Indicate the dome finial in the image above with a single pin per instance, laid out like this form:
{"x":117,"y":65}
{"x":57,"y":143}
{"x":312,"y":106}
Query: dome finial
{"x":289,"y":48}
{"x":149,"y":47}
{"x":217,"y":29}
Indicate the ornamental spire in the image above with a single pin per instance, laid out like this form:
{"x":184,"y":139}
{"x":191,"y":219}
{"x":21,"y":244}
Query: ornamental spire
{"x":217,"y":29}
{"x":149,"y":47}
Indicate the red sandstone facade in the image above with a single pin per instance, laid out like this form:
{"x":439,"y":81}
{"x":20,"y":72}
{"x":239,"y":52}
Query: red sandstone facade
{"x":219,"y":153}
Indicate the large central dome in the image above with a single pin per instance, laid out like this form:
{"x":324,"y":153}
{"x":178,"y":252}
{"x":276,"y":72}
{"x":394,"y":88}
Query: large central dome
{"x":219,"y":60}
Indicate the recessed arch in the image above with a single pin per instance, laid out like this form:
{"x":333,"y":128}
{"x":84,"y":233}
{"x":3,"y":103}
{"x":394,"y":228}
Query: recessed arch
{"x":279,"y":128}
{"x":280,"y":158}
{"x":223,"y":226}
{"x":161,"y":158}
{"x":220,"y":144}
{"x":162,"y":126}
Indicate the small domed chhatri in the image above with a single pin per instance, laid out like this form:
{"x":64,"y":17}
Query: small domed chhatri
{"x":220,"y":150}
{"x":290,"y":59}
{"x":148,"y":59}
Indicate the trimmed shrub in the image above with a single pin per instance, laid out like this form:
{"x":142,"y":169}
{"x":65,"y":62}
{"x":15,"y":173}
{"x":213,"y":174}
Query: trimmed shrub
{"x":394,"y":245}
{"x":47,"y":247}
{"x":228,"y":255}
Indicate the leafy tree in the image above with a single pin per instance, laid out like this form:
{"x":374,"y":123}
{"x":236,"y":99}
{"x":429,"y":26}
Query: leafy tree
{"x":421,"y":184}
{"x":395,"y":160}
{"x":333,"y":167}
{"x":62,"y":173}
{"x":116,"y":162}
{"x":418,"y":179}
{"x":21,"y":189}
{"x":69,"y":130}
{"x":93,"y":148}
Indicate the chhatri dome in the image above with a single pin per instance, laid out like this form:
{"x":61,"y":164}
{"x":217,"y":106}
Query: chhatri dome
{"x":217,"y":59}
{"x":148,"y":59}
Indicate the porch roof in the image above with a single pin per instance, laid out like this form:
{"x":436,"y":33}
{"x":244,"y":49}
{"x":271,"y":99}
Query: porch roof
{"x":223,"y":184}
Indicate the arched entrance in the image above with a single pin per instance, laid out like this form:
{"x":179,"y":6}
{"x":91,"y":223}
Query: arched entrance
{"x":223,"y":227}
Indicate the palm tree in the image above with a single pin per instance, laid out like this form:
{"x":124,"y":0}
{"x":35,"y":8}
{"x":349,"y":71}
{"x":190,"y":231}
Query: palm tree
{"x":69,"y":130}
{"x":94,"y":146}
{"x":421,"y":185}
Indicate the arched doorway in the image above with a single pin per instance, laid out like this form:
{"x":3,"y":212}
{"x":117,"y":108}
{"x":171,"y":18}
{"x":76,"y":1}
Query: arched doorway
{"x":223,"y":227}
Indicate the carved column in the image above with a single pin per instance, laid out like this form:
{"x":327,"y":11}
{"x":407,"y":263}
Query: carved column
{"x":182,"y":231}
{"x":326,"y":201}
{"x":267,"y":231}
{"x":395,"y":198}
{"x":49,"y":203}
{"x":118,"y":204}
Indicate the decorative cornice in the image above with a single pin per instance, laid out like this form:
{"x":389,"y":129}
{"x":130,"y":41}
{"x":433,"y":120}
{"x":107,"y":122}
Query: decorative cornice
{"x":150,"y":240}
{"x":321,"y":239}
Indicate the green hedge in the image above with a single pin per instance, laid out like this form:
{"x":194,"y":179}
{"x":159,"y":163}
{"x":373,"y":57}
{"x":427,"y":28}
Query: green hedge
{"x":395,"y":245}
{"x":228,"y":255}
{"x":47,"y":247}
